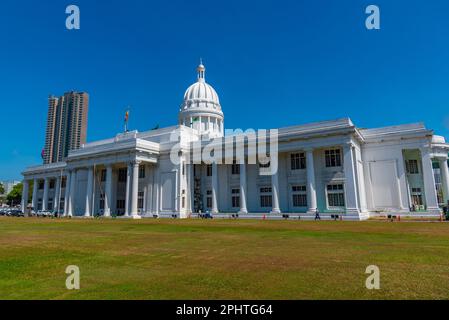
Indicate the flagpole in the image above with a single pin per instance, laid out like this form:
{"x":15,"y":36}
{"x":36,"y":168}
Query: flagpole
{"x":126,"y":119}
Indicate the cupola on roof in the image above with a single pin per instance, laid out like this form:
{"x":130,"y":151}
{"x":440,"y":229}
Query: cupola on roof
{"x":201,"y":95}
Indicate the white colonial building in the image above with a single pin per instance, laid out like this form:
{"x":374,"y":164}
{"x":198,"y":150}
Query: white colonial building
{"x":330,"y":166}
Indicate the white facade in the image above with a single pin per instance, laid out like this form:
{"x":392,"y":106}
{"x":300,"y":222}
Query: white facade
{"x":330,"y":166}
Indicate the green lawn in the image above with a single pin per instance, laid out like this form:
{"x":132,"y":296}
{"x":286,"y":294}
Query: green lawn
{"x":222,"y":259}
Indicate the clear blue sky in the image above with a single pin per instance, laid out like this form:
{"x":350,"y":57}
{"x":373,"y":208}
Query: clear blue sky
{"x":274,"y":63}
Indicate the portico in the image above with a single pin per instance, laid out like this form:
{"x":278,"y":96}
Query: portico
{"x":90,"y":178}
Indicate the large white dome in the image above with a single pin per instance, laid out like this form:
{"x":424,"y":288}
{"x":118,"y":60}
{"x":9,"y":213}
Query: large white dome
{"x":201,"y":107}
{"x":201,"y":95}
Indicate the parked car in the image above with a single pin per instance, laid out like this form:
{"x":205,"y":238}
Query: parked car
{"x":43,"y":214}
{"x":11,"y":212}
{"x":16,"y":213}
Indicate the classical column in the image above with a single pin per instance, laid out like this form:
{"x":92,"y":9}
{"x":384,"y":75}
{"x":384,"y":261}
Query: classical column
{"x":214,"y":187}
{"x":404,"y":202}
{"x":128,"y":188}
{"x":351,"y":190}
{"x":360,"y":176}
{"x":189,"y":188}
{"x":67,"y":194}
{"x":444,"y":178}
{"x":429,"y":182}
{"x":89,"y":192}
{"x":57,"y":194}
{"x":72,"y":202}
{"x":25,"y":195}
{"x":135,"y":191}
{"x":275,"y":192}
{"x":311,"y":183}
{"x":243,"y":188}
{"x":34,"y":200}
{"x":444,"y":170}
{"x":108,"y":191}
{"x":180,"y":196}
{"x":45,"y":197}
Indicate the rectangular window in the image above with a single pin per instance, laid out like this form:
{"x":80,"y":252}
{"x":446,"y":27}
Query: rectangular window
{"x":209,"y":170}
{"x":417,"y":197}
{"x":299,"y":194}
{"x":333,"y":158}
{"x":209,"y":199}
{"x":412,"y":166}
{"x":41,"y":184}
{"x":298,"y":161}
{"x":235,"y":168}
{"x":142,"y":172}
{"x":102,"y":201}
{"x":63,"y":182}
{"x":336,"y":195}
{"x":122,"y":174}
{"x":103,"y":175}
{"x":266,"y":200}
{"x":235,"y":198}
{"x":140,"y":198}
{"x":121,"y":203}
{"x":52,"y":184}
{"x":50,"y":204}
{"x":61,"y":204}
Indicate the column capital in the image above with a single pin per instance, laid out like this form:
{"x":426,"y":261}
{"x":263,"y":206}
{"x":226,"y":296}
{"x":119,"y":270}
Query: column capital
{"x":309,"y":149}
{"x":425,"y":150}
{"x":348,"y":145}
{"x":442,"y":158}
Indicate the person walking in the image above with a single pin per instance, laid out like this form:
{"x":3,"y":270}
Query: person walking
{"x":317,"y":215}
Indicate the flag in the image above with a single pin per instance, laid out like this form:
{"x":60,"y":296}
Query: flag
{"x":196,"y":119}
{"x":43,"y":154}
{"x":126,"y":120}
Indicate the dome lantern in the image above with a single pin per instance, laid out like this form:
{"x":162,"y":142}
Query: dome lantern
{"x":201,"y":72}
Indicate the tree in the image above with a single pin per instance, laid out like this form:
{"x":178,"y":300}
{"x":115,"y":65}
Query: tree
{"x":2,"y":188}
{"x":15,"y":196}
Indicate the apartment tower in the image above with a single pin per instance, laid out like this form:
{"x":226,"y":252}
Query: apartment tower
{"x":66,"y":125}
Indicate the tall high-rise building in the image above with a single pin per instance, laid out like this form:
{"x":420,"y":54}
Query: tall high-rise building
{"x":66,"y":125}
